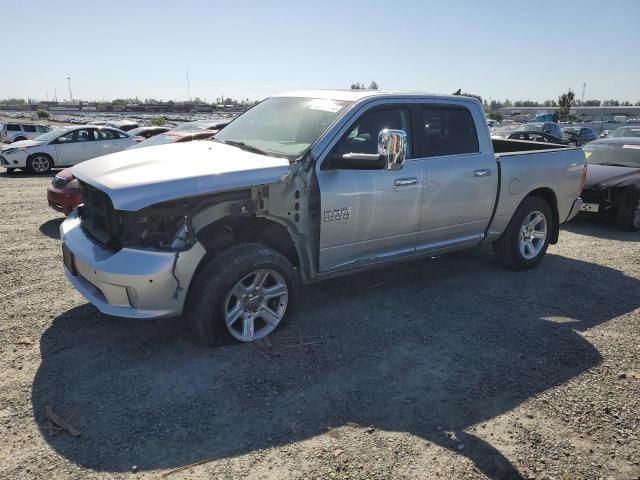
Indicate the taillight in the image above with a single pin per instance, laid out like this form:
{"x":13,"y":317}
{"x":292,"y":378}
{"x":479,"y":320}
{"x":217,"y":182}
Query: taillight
{"x":583,"y":178}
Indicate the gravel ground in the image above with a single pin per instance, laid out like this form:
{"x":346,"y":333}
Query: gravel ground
{"x":444,"y":368}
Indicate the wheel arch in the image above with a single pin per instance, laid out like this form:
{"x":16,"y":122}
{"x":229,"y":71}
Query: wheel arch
{"x":549,"y":196}
{"x":228,"y":231}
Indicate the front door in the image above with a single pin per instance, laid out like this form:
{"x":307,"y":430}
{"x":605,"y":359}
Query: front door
{"x":78,"y":146}
{"x":460,"y":177}
{"x":368,"y":213}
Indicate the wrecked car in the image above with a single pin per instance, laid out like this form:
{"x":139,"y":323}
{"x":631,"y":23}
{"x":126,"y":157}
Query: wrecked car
{"x":300,"y":188}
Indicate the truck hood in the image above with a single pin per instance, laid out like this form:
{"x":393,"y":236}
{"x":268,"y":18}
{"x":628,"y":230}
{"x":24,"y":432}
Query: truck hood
{"x":23,"y":144}
{"x":135,"y":179}
{"x":607,"y":176}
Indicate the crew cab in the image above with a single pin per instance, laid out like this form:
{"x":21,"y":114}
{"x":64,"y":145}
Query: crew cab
{"x":301,"y":188}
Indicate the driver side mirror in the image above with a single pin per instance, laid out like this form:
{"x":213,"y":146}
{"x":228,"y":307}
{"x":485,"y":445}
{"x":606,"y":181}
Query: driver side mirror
{"x":392,"y":147}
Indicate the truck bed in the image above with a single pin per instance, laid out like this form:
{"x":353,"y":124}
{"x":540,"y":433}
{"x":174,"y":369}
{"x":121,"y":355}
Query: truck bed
{"x":505,"y":146}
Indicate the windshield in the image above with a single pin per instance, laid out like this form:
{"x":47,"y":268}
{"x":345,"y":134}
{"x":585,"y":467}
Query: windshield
{"x":283,"y":126}
{"x":627,"y":155}
{"x":527,"y":127}
{"x":52,"y":135}
{"x":625,"y":132}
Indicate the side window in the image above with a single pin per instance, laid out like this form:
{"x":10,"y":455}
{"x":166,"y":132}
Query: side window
{"x":536,"y":137}
{"x":42,"y":129}
{"x":520,"y":136}
{"x":29,"y":128}
{"x":448,"y":130}
{"x":363,"y":135}
{"x":84,"y":135}
{"x":104,"y":134}
{"x":13,"y":127}
{"x":121,"y":135}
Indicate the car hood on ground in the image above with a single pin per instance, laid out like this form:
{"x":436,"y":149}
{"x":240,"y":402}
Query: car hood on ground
{"x":23,"y":144}
{"x":607,"y":176}
{"x":135,"y":179}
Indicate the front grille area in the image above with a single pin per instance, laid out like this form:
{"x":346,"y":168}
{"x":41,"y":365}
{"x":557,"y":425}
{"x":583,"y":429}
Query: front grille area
{"x":58,"y":182}
{"x":99,"y":218}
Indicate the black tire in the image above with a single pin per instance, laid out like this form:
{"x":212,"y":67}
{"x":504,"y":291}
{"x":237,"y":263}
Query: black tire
{"x":204,"y":307}
{"x":39,"y":157}
{"x":11,"y":170}
{"x":507,"y":247}
{"x":19,"y":139}
{"x":628,"y":217}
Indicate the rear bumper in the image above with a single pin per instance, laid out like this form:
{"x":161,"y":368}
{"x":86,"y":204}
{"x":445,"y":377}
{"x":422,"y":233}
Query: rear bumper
{"x":575,"y":208}
{"x":63,"y":199}
{"x":128,"y":283}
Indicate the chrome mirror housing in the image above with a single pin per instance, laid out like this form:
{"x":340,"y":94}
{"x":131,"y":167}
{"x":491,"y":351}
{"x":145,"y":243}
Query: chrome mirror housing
{"x":392,"y":146}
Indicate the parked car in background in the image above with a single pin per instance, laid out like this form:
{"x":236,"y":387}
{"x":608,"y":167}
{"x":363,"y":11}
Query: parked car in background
{"x":541,"y":137}
{"x":63,"y":194}
{"x":612,"y":186}
{"x":14,"y":132}
{"x":184,"y":133}
{"x":124,"y":125}
{"x":64,"y":147}
{"x":579,"y":135}
{"x":629,"y":132}
{"x":148,"y":132}
{"x":604,"y":133}
{"x":503,"y":131}
{"x":547,"y":127}
{"x":300,"y":188}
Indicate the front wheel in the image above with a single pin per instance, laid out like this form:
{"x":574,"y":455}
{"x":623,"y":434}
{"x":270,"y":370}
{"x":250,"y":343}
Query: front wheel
{"x":245,"y":293}
{"x":526,"y":239}
{"x":629,"y":213}
{"x":39,"y":163}
{"x":11,"y":170}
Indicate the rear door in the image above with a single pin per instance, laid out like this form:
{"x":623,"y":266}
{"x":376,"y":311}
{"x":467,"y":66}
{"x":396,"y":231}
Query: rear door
{"x":107,"y":141}
{"x":460,"y":175}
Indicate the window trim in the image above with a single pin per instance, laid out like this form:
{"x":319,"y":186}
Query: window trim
{"x":442,"y":106}
{"x":376,"y":108}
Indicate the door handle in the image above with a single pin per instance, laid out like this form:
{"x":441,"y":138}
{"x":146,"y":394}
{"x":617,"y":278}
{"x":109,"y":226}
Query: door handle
{"x":403,"y":182}
{"x":482,"y":173}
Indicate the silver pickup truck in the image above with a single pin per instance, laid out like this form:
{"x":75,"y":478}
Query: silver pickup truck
{"x":300,"y":188}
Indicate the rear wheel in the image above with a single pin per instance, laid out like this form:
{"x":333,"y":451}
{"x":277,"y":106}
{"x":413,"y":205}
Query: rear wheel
{"x":39,"y":163}
{"x":244,"y":293}
{"x":526,"y":239}
{"x":19,"y":139}
{"x":629,"y":213}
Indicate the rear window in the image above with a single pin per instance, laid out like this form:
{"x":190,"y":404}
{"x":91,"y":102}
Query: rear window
{"x":12,"y":127}
{"x":29,"y":128}
{"x":448,"y":130}
{"x":622,"y":154}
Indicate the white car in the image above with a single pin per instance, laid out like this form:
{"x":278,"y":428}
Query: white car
{"x":64,"y":147}
{"x":14,"y":132}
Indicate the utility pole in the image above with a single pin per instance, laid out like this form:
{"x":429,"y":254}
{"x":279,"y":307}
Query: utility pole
{"x":584,"y":87}
{"x":70,"y":95}
{"x":188,"y":88}
{"x":55,"y":94}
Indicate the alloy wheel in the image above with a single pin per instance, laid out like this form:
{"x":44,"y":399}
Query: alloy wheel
{"x":533,"y":234}
{"x":256,"y":305}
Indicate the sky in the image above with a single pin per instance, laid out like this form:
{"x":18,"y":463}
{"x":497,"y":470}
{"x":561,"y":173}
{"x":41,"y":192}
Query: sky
{"x":498,"y":49}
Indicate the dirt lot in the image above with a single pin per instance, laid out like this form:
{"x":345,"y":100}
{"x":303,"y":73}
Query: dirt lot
{"x":445,"y":368}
